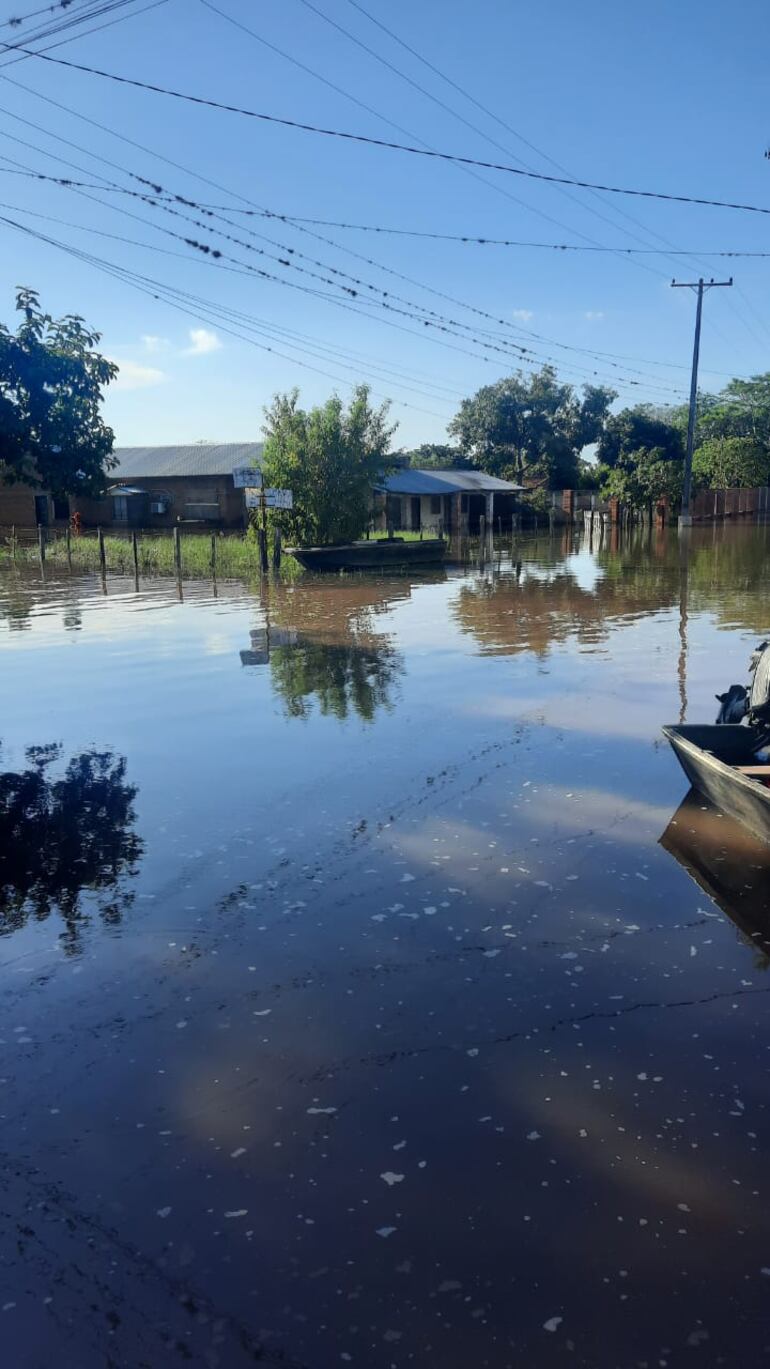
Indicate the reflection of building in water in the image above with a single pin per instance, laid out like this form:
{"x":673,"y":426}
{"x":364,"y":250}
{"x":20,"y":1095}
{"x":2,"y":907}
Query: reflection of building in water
{"x":62,"y":838}
{"x":323,"y":648}
{"x":729,"y":864}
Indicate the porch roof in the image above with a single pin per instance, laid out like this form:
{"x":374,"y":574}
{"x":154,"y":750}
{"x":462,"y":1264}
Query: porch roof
{"x":416,"y":482}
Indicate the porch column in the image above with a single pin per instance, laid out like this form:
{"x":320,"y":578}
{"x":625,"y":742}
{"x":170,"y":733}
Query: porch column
{"x":489,"y":511}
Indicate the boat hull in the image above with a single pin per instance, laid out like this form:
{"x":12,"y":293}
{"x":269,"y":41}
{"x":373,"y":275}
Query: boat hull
{"x":707,"y":755}
{"x":374,"y":555}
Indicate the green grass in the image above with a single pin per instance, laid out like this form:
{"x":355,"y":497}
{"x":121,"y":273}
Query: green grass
{"x":235,"y":556}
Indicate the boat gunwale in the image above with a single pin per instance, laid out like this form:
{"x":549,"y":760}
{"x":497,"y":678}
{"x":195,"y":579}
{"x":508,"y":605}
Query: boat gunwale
{"x":673,"y":734}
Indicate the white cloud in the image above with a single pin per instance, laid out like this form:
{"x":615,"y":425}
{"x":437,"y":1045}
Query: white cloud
{"x":155,"y":344}
{"x":132,"y":376}
{"x":523,"y":314}
{"x":593,"y":315}
{"x":202,"y":342}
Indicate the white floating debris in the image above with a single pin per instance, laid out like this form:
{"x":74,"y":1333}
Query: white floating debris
{"x":262,"y":1012}
{"x":490,"y":955}
{"x":316,"y":1112}
{"x":407,"y":879}
{"x":385,"y":1231}
{"x":474,"y":1050}
{"x":390,"y":1178}
{"x":164,"y":1211}
{"x":552,"y":1324}
{"x":236,"y":1154}
{"x":239,"y":1212}
{"x":533,"y":1135}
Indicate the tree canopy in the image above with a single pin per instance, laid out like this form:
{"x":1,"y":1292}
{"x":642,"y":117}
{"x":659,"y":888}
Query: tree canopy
{"x":642,"y":476}
{"x":437,"y":456}
{"x":329,"y":457}
{"x":726,"y":462}
{"x":52,"y":382}
{"x":638,"y":429}
{"x":531,"y":428}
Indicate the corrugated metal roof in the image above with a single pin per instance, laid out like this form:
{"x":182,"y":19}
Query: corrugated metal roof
{"x":200,"y":458}
{"x":414,"y":481}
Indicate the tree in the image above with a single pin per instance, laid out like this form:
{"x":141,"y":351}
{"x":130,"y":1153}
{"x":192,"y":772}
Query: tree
{"x":637,"y":429}
{"x":531,"y":428}
{"x":51,"y":387}
{"x":330,"y":458}
{"x":436,"y":456}
{"x":643,"y":476}
{"x":726,"y":462}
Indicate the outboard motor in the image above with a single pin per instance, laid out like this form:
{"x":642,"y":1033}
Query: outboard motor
{"x":753,"y":703}
{"x":734,"y":703}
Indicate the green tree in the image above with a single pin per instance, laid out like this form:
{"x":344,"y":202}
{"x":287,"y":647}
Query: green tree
{"x":643,"y":476}
{"x":531,"y":428}
{"x":330,"y":457}
{"x":51,"y":388}
{"x":726,"y":462}
{"x":436,"y":456}
{"x":636,"y":429}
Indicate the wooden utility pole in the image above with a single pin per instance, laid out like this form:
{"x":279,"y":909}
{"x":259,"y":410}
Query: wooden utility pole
{"x":699,"y":286}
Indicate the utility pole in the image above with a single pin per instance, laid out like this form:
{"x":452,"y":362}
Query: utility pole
{"x":685,"y":517}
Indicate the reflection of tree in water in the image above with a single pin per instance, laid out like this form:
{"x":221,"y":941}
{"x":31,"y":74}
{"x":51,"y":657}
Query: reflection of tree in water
{"x":339,"y":663}
{"x":542,"y":602}
{"x":342,"y":677}
{"x":61,"y":837}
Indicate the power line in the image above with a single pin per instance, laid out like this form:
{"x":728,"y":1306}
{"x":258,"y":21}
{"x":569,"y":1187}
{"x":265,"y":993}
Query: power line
{"x":260,"y":210}
{"x":158,"y":290}
{"x":384,"y":143}
{"x":346,"y":94}
{"x":481,"y":240}
{"x":434,"y":320}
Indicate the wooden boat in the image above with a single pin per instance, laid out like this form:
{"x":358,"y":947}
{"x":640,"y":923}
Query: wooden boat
{"x":391,"y":553}
{"x":721,"y":761}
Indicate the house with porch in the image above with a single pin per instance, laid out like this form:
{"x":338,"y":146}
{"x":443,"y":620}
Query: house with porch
{"x":429,"y":501}
{"x":150,"y":487}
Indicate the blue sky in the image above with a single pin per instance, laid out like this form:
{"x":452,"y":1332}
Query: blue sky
{"x":669,"y":98}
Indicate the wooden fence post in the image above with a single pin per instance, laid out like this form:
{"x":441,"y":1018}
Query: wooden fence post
{"x":13,"y":541}
{"x":277,"y":549}
{"x":102,"y":553}
{"x":177,"y":553}
{"x":135,"y":552}
{"x":41,"y":542}
{"x":214,"y":555}
{"x":68,"y":539}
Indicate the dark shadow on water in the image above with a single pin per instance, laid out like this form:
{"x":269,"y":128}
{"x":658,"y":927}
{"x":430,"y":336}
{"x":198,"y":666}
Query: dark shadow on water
{"x":729,"y":864}
{"x":61,"y":838}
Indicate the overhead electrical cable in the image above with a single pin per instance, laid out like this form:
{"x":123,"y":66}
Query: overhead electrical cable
{"x":206,"y":180}
{"x":346,"y":135}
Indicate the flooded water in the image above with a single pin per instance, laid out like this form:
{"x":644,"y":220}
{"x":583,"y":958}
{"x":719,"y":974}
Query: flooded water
{"x":367,"y":996}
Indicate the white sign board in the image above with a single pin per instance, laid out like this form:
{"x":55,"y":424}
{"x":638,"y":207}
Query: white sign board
{"x":274,"y":499}
{"x":246,"y":477}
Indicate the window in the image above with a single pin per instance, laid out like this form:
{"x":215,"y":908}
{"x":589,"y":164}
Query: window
{"x":120,"y":508}
{"x":61,"y":508}
{"x":435,"y":503}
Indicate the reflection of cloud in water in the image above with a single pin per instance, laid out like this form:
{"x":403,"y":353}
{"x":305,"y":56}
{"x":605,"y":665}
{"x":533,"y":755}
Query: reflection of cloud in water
{"x":588,"y":1132}
{"x":61,"y":838}
{"x":601,"y":715}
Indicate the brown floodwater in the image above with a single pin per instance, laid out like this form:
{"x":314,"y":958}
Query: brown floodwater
{"x":373,"y":993}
